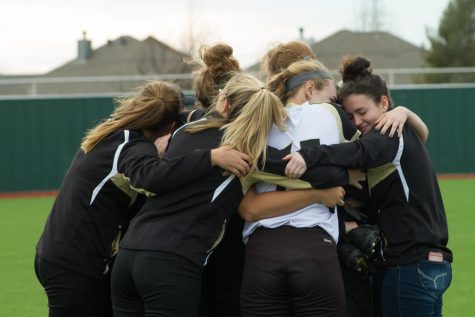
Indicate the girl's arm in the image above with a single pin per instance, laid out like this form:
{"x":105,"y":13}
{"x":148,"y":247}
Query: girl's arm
{"x":371,"y":150}
{"x":257,"y":206}
{"x":395,"y":119}
{"x":147,"y":173}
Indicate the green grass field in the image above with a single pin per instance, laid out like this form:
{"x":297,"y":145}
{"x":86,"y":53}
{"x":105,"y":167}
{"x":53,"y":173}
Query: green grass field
{"x":22,"y":220}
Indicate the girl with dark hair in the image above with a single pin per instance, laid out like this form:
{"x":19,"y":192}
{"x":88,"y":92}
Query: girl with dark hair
{"x":96,"y":201}
{"x":405,"y":197}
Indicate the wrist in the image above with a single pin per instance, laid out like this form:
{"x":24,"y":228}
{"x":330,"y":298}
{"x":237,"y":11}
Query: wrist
{"x":213,"y":156}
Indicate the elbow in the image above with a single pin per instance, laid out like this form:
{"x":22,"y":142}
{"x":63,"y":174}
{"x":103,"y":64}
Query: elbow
{"x":247,"y":213}
{"x":425,"y":137}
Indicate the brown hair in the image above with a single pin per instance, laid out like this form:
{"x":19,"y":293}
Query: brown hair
{"x":216,"y":65}
{"x":358,"y":78}
{"x":284,"y":54}
{"x":277,"y":83}
{"x":252,"y":111}
{"x":154,"y":107}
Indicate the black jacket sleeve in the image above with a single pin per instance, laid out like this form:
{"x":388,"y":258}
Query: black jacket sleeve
{"x":319,"y":176}
{"x":140,"y":163}
{"x":371,"y":150}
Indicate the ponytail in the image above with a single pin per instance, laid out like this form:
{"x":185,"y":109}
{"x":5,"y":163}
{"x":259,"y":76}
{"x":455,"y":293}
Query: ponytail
{"x":252,"y":111}
{"x":358,"y":78}
{"x":286,"y":83}
{"x":154,"y":107}
{"x":249,"y":131}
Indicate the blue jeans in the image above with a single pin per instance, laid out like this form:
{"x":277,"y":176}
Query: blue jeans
{"x":415,"y":289}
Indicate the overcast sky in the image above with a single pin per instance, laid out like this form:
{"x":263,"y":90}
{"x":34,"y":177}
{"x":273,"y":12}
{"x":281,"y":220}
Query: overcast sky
{"x":37,"y":36}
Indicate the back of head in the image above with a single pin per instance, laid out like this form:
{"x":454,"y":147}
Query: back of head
{"x":358,"y":78}
{"x":216,"y":66}
{"x":154,"y":107}
{"x":286,"y":83}
{"x":252,"y":111}
{"x":281,"y":56}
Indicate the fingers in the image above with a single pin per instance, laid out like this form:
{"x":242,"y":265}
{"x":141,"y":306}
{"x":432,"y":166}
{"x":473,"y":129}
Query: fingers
{"x":296,"y":172}
{"x":287,"y":157}
{"x":244,"y":157}
{"x":387,"y":124}
{"x":296,"y":166}
{"x":294,"y":169}
{"x":357,"y":185}
{"x":240,"y":168}
{"x":235,"y":172}
{"x":334,"y":196}
{"x":355,"y":177}
{"x":379,"y":123}
{"x":343,"y":192}
{"x":393,"y":130}
{"x":290,"y":167}
{"x":231,"y":160}
{"x":161,"y":144}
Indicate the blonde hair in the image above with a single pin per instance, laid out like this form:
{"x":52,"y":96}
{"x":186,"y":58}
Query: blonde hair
{"x":216,"y":65}
{"x":154,"y":107}
{"x":280,"y":57}
{"x":277,"y":82}
{"x":252,"y":111}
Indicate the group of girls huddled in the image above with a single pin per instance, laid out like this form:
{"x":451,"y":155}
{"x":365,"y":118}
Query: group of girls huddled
{"x":241,"y":205}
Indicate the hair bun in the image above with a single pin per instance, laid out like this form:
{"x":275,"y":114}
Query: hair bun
{"x":216,"y":54}
{"x":354,"y":67}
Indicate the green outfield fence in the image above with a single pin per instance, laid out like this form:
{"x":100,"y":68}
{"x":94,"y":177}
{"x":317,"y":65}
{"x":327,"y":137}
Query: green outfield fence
{"x":39,"y":136}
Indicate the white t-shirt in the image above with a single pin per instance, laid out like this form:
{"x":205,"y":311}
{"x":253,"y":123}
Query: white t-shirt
{"x":306,"y":124}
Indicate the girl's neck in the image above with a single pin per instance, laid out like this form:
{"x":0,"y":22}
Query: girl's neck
{"x":293,"y":101}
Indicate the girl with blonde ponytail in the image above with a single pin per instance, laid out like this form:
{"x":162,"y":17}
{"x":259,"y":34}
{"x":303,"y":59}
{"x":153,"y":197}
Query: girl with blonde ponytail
{"x":96,"y":199}
{"x":307,"y":281}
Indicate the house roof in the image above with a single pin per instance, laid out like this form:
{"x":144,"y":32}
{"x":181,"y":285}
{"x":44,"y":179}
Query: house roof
{"x":127,"y":56}
{"x":383,"y":49}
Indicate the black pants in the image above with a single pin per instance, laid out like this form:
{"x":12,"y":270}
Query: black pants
{"x":357,"y":292}
{"x":221,"y":278}
{"x":152,"y":283}
{"x":292,"y":272}
{"x":71,"y":294}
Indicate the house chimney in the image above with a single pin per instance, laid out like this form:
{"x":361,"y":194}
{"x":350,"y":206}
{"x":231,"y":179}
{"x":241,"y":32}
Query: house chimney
{"x":84,"y":48}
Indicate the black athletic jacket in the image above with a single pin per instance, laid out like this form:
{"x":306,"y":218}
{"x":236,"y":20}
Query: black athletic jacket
{"x":403,"y":189}
{"x":190,"y":220}
{"x":96,"y":202}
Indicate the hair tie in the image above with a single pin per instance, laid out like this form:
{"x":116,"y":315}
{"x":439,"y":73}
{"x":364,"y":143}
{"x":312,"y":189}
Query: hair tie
{"x":301,"y":78}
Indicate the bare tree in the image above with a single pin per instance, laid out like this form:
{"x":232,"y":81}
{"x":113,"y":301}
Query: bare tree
{"x":371,"y":16}
{"x":195,"y":34}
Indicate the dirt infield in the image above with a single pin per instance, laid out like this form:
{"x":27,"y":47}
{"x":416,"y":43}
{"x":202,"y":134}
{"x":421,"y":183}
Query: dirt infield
{"x":52,"y":193}
{"x":456,"y":176}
